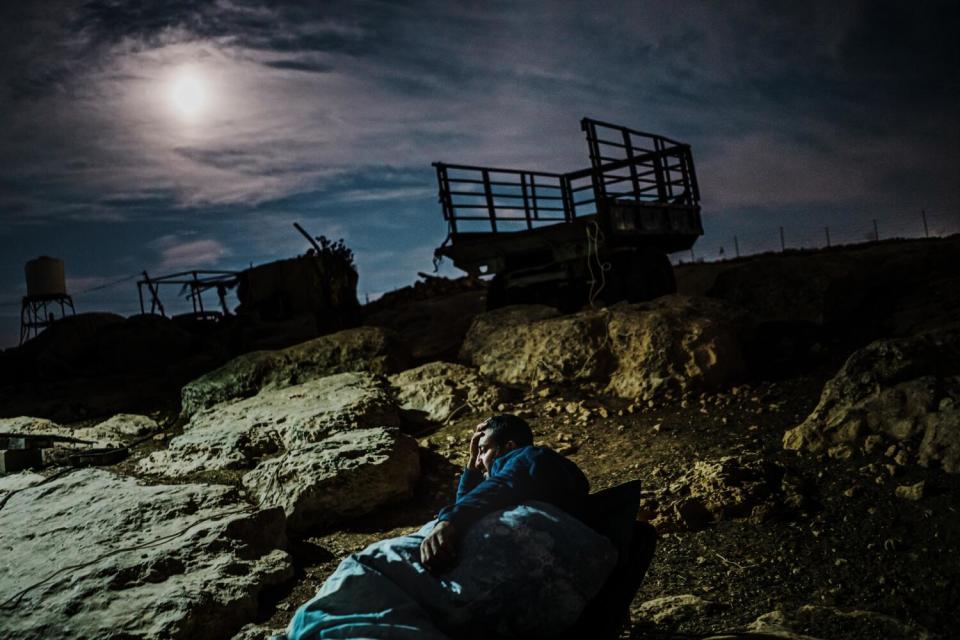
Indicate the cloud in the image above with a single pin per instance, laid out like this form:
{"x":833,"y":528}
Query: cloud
{"x":176,"y":253}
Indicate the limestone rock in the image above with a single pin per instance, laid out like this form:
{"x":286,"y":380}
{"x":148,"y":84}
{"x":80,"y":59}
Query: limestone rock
{"x":113,"y":432}
{"x":670,"y":610}
{"x":96,"y":555}
{"x":30,"y":425}
{"x":242,"y":377}
{"x":728,"y":487}
{"x":904,"y":388}
{"x":118,"y":430}
{"x":370,"y":349}
{"x":820,"y":623}
{"x":442,"y":389}
{"x":530,"y":344}
{"x":911,"y":491}
{"x":348,"y":474}
{"x":238,"y":435}
{"x":674,"y":343}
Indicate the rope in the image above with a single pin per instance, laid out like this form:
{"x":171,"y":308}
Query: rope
{"x":107,"y":284}
{"x":55,"y":476}
{"x":594,"y":238}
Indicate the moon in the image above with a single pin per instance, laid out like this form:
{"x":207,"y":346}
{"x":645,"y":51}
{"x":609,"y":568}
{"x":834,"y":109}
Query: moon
{"x":188,"y":94}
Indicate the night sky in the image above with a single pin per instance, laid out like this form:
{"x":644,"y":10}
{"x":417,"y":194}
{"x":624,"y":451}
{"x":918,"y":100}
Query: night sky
{"x":172,"y":135}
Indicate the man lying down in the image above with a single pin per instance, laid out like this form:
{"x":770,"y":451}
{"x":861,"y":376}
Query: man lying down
{"x":510,"y":558}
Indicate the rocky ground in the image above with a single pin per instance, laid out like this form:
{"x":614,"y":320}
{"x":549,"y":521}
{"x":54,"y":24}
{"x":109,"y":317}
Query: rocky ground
{"x":802,"y":477}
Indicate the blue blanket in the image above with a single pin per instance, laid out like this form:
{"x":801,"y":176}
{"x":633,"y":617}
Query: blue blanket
{"x":527,"y":571}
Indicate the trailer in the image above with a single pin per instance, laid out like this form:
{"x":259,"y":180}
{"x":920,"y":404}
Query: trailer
{"x":570,"y":239}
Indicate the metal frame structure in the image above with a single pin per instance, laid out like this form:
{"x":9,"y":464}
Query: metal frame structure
{"x":197,"y":282}
{"x":35,"y":313}
{"x":627,"y":166}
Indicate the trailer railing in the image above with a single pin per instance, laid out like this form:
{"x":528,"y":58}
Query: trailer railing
{"x":639,"y":167}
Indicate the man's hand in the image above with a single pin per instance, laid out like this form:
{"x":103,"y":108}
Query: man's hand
{"x":438,"y":551}
{"x":473,"y":463}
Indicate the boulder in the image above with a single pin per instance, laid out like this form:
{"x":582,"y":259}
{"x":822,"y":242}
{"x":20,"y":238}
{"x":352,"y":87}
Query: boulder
{"x":530,"y":344}
{"x":671,"y":610}
{"x":370,"y":349}
{"x":95,"y":555}
{"x":30,"y":425}
{"x":348,"y":474}
{"x":905,"y":389}
{"x":117,"y":431}
{"x":820,"y":623}
{"x":725,"y":488}
{"x":675,"y":343}
{"x":237,"y":435}
{"x":441,"y":390}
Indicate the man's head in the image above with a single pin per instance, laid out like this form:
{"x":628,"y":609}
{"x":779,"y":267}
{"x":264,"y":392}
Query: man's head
{"x":502,"y":434}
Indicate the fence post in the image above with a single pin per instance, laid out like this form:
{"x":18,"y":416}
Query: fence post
{"x":876,"y":233}
{"x":736,"y":246}
{"x":827,"y":231}
{"x":692,"y":258}
{"x":783,"y":245}
{"x":926,"y":229}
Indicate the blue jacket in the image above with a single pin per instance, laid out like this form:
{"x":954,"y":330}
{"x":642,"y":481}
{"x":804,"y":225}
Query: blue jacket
{"x":527,"y":473}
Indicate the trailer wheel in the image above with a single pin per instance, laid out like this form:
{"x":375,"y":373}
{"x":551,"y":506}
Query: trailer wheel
{"x":496,"y":293}
{"x":646,"y":274}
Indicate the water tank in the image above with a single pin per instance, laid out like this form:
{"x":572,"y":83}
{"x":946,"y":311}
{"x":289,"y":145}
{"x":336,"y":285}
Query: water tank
{"x":45,"y":277}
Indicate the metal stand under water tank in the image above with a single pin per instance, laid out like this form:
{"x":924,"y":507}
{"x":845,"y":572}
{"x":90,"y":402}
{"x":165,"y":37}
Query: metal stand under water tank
{"x":46,"y":290}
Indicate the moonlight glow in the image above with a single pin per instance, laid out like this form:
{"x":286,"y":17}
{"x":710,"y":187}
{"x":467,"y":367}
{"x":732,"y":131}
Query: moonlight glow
{"x":188,"y":94}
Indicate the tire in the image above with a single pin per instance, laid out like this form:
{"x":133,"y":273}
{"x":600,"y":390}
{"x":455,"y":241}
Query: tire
{"x":645,"y":274}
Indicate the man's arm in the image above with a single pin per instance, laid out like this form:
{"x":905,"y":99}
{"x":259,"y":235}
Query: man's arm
{"x":472,"y":475}
{"x":438,"y":549}
{"x":508,"y":486}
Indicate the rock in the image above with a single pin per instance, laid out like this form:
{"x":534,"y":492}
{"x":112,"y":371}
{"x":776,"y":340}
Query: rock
{"x":17,"y":481}
{"x":871,"y":443}
{"x":674,"y":343}
{"x":904,"y":388}
{"x":96,"y":555}
{"x":30,"y":425}
{"x":442,"y":389}
{"x":822,"y":623}
{"x":728,"y":487}
{"x":941,"y":436}
{"x":242,"y":377}
{"x":114,"y":432}
{"x":531,"y":345}
{"x":118,"y":430}
{"x":369,"y":349}
{"x":238,"y":435}
{"x":671,"y":610}
{"x":347,"y":474}
{"x":910,"y":491}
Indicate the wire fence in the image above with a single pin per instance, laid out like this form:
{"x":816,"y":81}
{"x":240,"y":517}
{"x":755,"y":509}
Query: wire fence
{"x":716,"y":247}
